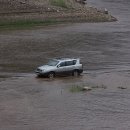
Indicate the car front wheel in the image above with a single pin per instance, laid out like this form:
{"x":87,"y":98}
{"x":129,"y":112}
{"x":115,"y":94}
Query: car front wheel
{"x":51,"y":75}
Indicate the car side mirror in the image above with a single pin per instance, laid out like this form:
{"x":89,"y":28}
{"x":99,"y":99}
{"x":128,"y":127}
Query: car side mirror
{"x":58,"y":66}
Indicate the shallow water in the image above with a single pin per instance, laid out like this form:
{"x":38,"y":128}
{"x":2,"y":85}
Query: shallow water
{"x":28,"y":103}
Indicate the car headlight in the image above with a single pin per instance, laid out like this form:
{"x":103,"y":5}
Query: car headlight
{"x":39,"y":70}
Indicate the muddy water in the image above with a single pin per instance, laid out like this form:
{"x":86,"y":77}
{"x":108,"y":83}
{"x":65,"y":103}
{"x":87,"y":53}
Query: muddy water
{"x":28,"y":103}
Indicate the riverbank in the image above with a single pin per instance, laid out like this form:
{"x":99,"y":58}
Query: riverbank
{"x":43,"y":15}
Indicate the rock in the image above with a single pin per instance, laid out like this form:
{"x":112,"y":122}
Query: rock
{"x":81,"y":1}
{"x":106,"y":11}
{"x":85,"y":88}
{"x":121,"y":87}
{"x":58,"y":11}
{"x":22,"y":2}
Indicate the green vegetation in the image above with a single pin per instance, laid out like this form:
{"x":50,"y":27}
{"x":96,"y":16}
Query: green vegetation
{"x":60,"y":3}
{"x":23,"y":24}
{"x":76,"y":88}
{"x":99,"y":86}
{"x":79,"y":88}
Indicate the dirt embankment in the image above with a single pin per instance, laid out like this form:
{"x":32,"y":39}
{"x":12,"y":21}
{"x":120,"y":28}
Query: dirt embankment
{"x":58,"y":10}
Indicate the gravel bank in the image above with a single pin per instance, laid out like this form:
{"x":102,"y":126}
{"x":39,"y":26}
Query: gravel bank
{"x":43,"y":10}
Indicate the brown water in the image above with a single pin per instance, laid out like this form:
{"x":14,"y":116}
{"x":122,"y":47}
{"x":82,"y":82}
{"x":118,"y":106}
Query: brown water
{"x":29,"y":103}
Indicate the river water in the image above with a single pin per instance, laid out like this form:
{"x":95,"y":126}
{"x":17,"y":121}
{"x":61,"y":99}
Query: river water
{"x":28,"y":103}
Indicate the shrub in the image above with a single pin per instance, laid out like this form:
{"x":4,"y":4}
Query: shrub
{"x":76,"y":88}
{"x":60,"y":3}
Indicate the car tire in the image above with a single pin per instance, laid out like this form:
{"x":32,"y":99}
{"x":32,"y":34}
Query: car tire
{"x":51,"y":75}
{"x":39,"y":75}
{"x":75,"y":73}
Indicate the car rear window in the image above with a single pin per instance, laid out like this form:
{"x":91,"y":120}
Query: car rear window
{"x":68,"y":63}
{"x":74,"y":62}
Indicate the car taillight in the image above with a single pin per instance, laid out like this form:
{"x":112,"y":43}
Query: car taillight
{"x":82,"y":66}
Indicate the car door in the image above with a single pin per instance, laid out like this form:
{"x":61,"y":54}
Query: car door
{"x":61,"y":68}
{"x":69,"y":66}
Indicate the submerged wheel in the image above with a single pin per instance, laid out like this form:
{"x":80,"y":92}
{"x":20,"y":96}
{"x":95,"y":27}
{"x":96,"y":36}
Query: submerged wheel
{"x":51,"y":75}
{"x":39,"y":75}
{"x":75,"y":73}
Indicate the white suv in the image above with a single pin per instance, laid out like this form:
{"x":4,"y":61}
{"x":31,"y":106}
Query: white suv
{"x":60,"y":66}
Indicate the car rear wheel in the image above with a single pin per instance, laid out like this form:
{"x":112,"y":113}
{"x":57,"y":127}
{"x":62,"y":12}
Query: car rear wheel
{"x":51,"y":75}
{"x":75,"y":73}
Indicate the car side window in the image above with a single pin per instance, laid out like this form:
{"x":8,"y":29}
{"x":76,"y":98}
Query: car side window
{"x":74,"y":62}
{"x":69,"y":63}
{"x":62,"y":64}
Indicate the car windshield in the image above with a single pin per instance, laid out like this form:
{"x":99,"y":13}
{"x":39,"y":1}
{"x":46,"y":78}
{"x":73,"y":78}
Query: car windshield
{"x":52,"y":62}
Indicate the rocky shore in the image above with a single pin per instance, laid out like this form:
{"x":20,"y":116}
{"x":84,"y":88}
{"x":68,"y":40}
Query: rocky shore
{"x":46,"y":10}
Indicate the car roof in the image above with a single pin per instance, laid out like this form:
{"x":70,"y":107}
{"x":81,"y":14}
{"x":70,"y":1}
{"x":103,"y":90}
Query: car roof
{"x":65,"y":59}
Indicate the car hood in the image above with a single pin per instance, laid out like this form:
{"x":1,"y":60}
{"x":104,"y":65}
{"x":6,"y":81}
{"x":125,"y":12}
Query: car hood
{"x":45,"y":67}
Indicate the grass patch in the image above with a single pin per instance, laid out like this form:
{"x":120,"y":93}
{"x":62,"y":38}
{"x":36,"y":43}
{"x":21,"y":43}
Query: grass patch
{"x":76,"y":88}
{"x":23,"y":24}
{"x":99,"y":86}
{"x":60,"y":3}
